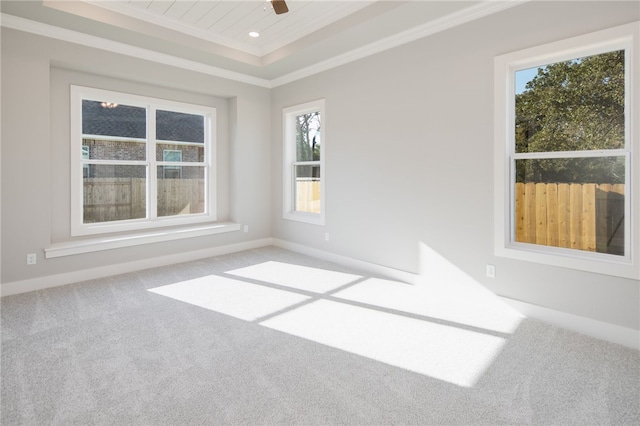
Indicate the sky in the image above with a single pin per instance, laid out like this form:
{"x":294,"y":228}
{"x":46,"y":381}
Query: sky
{"x":523,"y":77}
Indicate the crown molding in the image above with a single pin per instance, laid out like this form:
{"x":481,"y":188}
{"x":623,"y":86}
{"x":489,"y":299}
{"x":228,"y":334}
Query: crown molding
{"x":46,"y":30}
{"x":171,"y":24}
{"x":290,"y":34}
{"x":446,"y":22}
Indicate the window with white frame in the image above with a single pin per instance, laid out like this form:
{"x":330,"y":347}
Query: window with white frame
{"x":172,"y":155}
{"x":139,"y":162}
{"x":304,"y":172}
{"x":566,"y":185}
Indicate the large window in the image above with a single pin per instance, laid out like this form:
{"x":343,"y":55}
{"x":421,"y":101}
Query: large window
{"x":566,"y":154}
{"x":139,"y":162}
{"x":304,"y":162}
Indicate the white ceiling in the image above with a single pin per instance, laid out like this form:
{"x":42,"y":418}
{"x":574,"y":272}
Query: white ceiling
{"x":212,"y":35}
{"x":229,"y":22}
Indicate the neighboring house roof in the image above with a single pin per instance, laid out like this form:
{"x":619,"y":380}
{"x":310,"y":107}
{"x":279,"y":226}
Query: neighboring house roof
{"x":129,"y":121}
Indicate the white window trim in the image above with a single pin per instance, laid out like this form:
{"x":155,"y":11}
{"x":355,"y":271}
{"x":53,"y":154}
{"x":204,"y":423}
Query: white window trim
{"x":289,"y":114}
{"x":622,"y":37}
{"x":78,"y":228}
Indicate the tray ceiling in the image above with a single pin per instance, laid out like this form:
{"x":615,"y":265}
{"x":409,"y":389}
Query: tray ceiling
{"x":213,"y":35}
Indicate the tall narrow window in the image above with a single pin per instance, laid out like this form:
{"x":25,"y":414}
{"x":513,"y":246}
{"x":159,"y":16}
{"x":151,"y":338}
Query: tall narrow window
{"x":139,"y":162}
{"x":567,"y":155}
{"x":304,"y":162}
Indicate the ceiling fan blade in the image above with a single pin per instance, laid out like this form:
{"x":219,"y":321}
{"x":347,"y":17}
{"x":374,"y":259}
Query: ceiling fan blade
{"x":279,"y":6}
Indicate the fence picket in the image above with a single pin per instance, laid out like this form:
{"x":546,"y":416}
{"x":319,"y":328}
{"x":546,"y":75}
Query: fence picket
{"x":588,"y":217}
{"x":552,"y":215}
{"x":520,"y":212}
{"x":530,"y":213}
{"x":575,"y":229}
{"x":564,"y":215}
{"x":541,"y":213}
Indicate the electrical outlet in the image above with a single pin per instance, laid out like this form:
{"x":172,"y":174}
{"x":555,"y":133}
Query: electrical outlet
{"x":326,"y":236}
{"x":246,"y":228}
{"x":31,"y":259}
{"x":491,"y":271}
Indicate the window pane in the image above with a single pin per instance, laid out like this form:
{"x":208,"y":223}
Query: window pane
{"x":189,"y":153}
{"x":572,"y":170}
{"x":110,"y":119}
{"x":308,"y":137}
{"x":573,"y":105}
{"x":307,"y":189}
{"x":113,"y":192}
{"x":93,"y":149}
{"x":181,"y":190}
{"x":574,"y":203}
{"x":177,"y":126}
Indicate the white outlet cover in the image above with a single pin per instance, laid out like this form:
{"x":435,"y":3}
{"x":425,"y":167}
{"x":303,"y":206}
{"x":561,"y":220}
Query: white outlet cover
{"x":491,"y":271}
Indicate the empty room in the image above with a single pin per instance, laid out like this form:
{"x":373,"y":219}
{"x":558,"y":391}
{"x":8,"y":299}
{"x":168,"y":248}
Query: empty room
{"x":314,"y":212}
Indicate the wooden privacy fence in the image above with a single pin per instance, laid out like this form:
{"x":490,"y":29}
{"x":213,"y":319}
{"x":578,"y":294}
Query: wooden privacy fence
{"x":581,"y":216}
{"x":308,"y":195}
{"x":108,"y":199}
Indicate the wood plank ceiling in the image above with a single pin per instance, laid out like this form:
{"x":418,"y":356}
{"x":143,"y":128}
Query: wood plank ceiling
{"x":229,"y":22}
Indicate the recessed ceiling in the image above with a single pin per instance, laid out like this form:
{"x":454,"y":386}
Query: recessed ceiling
{"x":229,"y":22}
{"x":213,"y":35}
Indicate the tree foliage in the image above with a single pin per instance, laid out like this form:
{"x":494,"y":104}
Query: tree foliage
{"x":308,"y":138}
{"x":574,"y":105}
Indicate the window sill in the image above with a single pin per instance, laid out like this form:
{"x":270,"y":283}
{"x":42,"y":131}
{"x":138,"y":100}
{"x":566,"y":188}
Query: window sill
{"x":312,"y":218}
{"x":599,"y":263}
{"x":130,"y":240}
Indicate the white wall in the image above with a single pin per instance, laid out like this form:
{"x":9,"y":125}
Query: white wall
{"x":409,"y":158}
{"x":36,"y":73}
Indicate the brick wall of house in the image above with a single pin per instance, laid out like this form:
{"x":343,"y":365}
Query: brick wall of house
{"x":136,"y":151}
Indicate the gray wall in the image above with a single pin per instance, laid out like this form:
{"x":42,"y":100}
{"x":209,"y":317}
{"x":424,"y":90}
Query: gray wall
{"x":36,"y":73}
{"x":409,"y":154}
{"x":409,"y":158}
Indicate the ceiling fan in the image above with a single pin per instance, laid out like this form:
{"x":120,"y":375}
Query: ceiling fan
{"x":279,"y":6}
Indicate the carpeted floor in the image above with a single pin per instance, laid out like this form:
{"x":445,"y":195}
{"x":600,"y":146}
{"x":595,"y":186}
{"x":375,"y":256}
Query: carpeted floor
{"x":272,"y":337}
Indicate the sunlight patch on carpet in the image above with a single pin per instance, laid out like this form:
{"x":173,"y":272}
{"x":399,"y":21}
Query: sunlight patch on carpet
{"x":451,"y":328}
{"x":444,"y":302}
{"x":296,"y":276}
{"x":230,"y":297}
{"x":443,"y":352}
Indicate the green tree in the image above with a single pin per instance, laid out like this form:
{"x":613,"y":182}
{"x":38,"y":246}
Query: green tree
{"x":308,"y":137}
{"x":308,"y":132}
{"x":574,"y":105}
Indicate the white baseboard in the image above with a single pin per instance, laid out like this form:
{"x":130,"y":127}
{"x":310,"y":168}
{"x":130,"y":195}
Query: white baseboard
{"x":40,"y":283}
{"x":598,"y":329}
{"x":373,"y":268}
{"x":589,"y":327}
{"x":593,"y":328}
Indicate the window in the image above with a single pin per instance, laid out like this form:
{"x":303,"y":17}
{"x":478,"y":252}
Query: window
{"x":566,"y":156}
{"x":85,"y":166}
{"x":304,"y":162}
{"x":172,"y":155}
{"x":139,"y":162}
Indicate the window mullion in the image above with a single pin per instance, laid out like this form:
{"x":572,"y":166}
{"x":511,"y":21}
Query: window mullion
{"x":306,"y":163}
{"x":115,"y":162}
{"x":152,"y":173}
{"x":571,"y":154}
